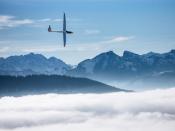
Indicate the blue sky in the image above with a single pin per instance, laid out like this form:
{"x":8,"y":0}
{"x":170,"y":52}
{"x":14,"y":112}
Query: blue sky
{"x":140,"y":26}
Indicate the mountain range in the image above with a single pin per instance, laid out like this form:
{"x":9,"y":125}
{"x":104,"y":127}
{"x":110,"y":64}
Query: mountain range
{"x":32,"y":64}
{"x":107,"y":63}
{"x":111,"y":65}
{"x":106,"y":66}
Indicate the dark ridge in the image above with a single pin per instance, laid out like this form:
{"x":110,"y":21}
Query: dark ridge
{"x":41,"y":84}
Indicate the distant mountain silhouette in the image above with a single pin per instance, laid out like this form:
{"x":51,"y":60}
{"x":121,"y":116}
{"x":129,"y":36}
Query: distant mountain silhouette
{"x":32,"y":64}
{"x":109,"y":65}
{"x":105,"y":63}
{"x":39,"y":84}
{"x":130,"y":64}
{"x":133,"y":70}
{"x":151,"y":67}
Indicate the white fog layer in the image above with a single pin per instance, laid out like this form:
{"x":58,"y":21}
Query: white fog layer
{"x":138,"y":111}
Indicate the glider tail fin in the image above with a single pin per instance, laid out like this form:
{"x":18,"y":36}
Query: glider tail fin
{"x":49,"y":29}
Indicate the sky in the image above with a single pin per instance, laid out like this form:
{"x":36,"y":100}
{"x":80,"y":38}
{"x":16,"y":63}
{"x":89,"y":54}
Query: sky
{"x":99,"y":26}
{"x":137,"y":111}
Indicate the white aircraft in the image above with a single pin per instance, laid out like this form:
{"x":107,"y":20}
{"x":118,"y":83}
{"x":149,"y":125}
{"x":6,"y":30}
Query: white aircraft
{"x":64,"y":31}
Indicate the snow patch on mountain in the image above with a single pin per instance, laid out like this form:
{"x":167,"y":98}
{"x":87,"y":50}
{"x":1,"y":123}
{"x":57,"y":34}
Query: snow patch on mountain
{"x":32,"y":64}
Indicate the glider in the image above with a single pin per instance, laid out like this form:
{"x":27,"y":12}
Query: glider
{"x":64,"y":31}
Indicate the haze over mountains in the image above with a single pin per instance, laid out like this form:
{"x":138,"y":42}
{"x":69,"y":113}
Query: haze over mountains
{"x":106,"y":66}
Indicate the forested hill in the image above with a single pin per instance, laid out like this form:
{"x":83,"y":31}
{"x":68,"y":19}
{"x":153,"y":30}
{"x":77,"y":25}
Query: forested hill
{"x":39,"y":84}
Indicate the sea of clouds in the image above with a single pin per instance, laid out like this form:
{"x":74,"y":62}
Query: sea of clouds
{"x":137,"y":111}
